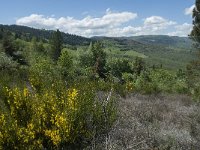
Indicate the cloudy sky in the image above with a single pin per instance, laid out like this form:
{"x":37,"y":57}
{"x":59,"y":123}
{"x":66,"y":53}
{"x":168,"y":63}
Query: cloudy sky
{"x":102,"y":17}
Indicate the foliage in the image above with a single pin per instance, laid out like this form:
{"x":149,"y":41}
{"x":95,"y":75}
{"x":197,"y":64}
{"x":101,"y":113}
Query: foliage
{"x":56,"y":42}
{"x":119,"y":66}
{"x":11,"y":48}
{"x":8,"y":45}
{"x":43,"y":72}
{"x":27,"y":33}
{"x":37,"y":46}
{"x":55,"y":117}
{"x":65,"y":63}
{"x":160,"y":80}
{"x":94,"y":59}
{"x":139,"y":65}
{"x":196,"y":19}
{"x":172,"y":52}
{"x":98,"y":58}
{"x":194,"y":67}
{"x":85,"y":58}
{"x":7,"y":62}
{"x":193,"y":79}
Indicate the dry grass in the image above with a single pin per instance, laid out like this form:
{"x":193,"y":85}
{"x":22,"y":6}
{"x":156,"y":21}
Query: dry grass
{"x":155,"y":122}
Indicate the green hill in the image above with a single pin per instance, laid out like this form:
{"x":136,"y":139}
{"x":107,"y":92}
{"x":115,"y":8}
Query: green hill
{"x":170,"y":52}
{"x":164,"y":40}
{"x":27,"y":33}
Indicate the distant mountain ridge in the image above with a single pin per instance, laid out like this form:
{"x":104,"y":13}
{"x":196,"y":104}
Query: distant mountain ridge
{"x":162,"y":40}
{"x":28,"y":33}
{"x":159,"y":40}
{"x":170,"y":51}
{"x":165,"y":40}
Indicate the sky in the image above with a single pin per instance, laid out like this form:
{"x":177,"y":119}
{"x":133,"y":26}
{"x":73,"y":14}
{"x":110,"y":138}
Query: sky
{"x":102,"y":17}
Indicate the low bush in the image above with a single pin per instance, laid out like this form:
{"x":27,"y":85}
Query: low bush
{"x":54,"y":118}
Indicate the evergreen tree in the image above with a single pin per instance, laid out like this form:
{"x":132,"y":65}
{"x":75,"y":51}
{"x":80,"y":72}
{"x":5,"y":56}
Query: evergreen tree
{"x":195,"y":34}
{"x":139,"y":66}
{"x":37,"y":46}
{"x":193,"y":69}
{"x":11,"y":49}
{"x":56,"y":44}
{"x":98,"y":58}
{"x":1,"y":33}
{"x":8,"y":44}
{"x":34,"y":44}
{"x":65,"y":62}
{"x":119,"y":66}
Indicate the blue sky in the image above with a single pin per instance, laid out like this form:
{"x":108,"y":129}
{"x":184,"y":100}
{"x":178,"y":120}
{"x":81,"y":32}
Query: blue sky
{"x":102,"y":17}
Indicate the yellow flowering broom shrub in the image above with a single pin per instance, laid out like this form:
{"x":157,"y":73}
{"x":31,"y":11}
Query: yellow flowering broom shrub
{"x":54,"y":118}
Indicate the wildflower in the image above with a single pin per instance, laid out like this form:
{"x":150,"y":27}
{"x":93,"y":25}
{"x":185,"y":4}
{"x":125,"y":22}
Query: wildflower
{"x":60,"y":120}
{"x":2,"y":120}
{"x":72,"y":96}
{"x":25,"y":92}
{"x":54,"y":135}
{"x":30,"y":126}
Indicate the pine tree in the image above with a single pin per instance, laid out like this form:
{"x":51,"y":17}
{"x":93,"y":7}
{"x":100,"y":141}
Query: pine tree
{"x":56,"y":44}
{"x":8,"y":44}
{"x":195,"y":34}
{"x":65,"y":63}
{"x":193,"y":69}
{"x":98,"y":58}
{"x":139,"y":66}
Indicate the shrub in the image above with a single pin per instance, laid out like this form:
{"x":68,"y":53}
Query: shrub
{"x":55,"y":117}
{"x":180,"y":86}
{"x":163,"y":78}
{"x":144,"y":84}
{"x":6,"y":63}
{"x":65,"y":63}
{"x":119,"y":66}
{"x":43,"y":73}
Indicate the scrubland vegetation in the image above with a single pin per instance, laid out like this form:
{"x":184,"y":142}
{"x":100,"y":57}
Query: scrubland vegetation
{"x":61,"y":91}
{"x":162,"y":121}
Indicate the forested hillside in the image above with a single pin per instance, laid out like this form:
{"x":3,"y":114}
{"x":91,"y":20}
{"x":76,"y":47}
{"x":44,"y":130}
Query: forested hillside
{"x":164,"y":40}
{"x":28,"y":33}
{"x":170,"y":52}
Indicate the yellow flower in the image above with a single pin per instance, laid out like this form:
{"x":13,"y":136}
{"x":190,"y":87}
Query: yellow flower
{"x":54,"y":135}
{"x":2,"y":120}
{"x":30,"y":126}
{"x":129,"y":87}
{"x":25,"y":92}
{"x":60,"y":121}
{"x":72,"y":99}
{"x":26,"y":134}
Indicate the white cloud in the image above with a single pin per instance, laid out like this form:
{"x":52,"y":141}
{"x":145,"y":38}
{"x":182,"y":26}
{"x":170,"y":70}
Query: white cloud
{"x":110,"y":24}
{"x":151,"y":25}
{"x":188,"y":11}
{"x":157,"y":23}
{"x":181,"y":30}
{"x":85,"y":26}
